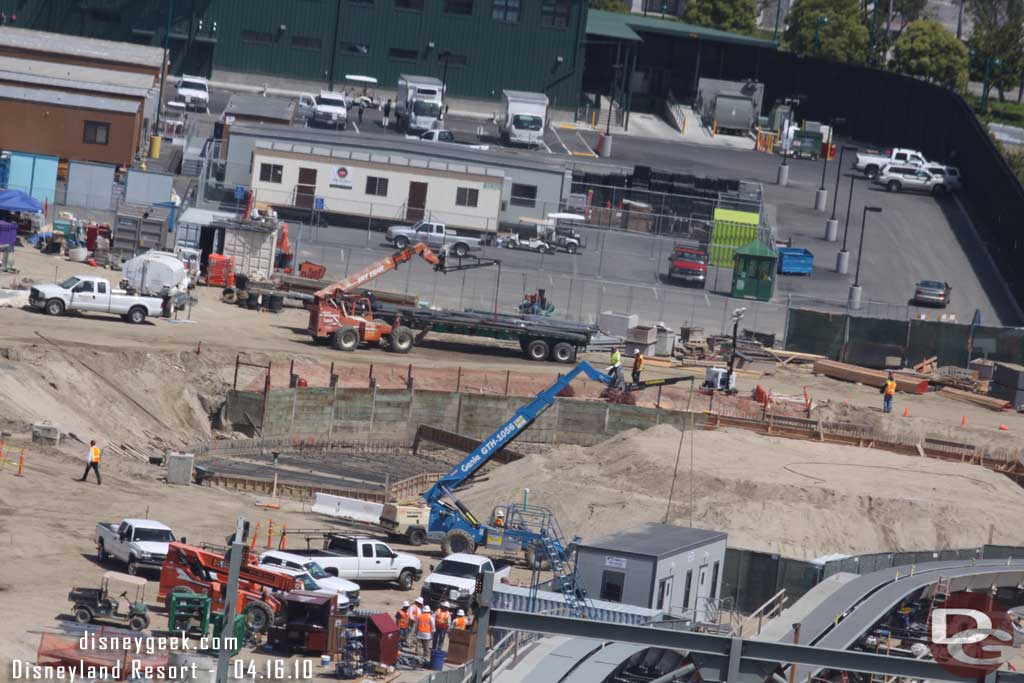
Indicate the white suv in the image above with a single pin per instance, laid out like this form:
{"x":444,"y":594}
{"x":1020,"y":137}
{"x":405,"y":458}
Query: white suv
{"x":312,"y":575}
{"x":194,"y":93}
{"x":896,"y":178}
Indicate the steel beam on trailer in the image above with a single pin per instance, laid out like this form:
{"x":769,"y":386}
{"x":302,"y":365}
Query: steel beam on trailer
{"x":715,"y":657}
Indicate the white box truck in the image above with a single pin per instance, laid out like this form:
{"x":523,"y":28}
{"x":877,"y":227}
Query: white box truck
{"x":418,"y":102}
{"x":525,"y":116}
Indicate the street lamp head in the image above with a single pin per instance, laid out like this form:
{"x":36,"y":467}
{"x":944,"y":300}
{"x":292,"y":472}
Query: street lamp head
{"x":996,"y":61}
{"x":738,"y":313}
{"x":823,"y":21}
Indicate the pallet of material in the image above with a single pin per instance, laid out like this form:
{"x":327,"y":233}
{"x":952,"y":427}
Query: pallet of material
{"x":872,"y":378}
{"x":989,"y":402}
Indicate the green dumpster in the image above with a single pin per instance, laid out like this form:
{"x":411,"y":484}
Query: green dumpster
{"x":753,"y":272}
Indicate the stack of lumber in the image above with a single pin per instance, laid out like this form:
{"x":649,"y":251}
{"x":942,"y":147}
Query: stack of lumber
{"x":927,"y":366}
{"x":872,"y":378}
{"x":959,"y":378}
{"x":989,"y":402}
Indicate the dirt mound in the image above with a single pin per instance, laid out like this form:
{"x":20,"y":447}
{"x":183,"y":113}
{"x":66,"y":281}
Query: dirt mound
{"x":801,"y":499}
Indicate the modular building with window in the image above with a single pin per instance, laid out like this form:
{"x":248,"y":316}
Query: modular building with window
{"x":660,"y":566}
{"x":389,"y":178}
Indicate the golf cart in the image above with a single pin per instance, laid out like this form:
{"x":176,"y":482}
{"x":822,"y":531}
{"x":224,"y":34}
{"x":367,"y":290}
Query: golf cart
{"x":97,"y":603}
{"x":547,"y":235}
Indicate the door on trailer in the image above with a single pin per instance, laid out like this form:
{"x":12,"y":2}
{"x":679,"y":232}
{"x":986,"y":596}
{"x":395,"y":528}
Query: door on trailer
{"x":702,"y":605}
{"x":664,"y":594}
{"x":305,"y":190}
{"x":414,"y":207}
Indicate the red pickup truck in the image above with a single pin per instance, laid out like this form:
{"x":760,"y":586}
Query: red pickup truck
{"x":688,"y":264}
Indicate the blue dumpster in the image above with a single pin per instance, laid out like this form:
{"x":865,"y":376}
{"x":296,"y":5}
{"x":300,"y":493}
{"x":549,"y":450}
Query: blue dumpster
{"x":795,"y":261}
{"x":437,"y":658}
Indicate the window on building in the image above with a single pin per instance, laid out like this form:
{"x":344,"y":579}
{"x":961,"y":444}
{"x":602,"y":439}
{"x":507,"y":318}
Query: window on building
{"x":466,"y":196}
{"x":403,"y":53}
{"x":686,"y":589}
{"x":458,"y":6}
{"x":357,"y":49}
{"x":555,"y":13}
{"x":271,"y":173}
{"x":714,"y":581}
{"x":612,"y":584}
{"x":377,"y":186}
{"x":257,"y":37}
{"x":96,"y":133}
{"x":454,"y":61}
{"x":306,"y":42}
{"x":523,"y":195}
{"x":361,"y":2}
{"x":409,"y":4}
{"x":506,"y":10}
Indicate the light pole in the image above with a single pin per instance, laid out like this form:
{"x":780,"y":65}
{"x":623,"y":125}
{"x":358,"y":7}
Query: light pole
{"x":832,"y":225}
{"x":822,"y":21}
{"x":737,"y":315}
{"x":855,"y":289}
{"x":821,"y":196}
{"x":985,"y":85}
{"x":444,"y":80}
{"x":843,"y":257}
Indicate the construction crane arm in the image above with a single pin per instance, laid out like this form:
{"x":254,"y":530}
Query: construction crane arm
{"x":508,"y":431}
{"x":378,"y":268}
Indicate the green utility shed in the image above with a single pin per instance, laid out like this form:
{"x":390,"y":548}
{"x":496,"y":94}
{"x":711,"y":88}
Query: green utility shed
{"x":753,"y":271}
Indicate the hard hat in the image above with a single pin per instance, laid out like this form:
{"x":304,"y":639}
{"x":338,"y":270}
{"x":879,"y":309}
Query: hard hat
{"x":419,"y":601}
{"x":500,"y":513}
{"x":405,"y":603}
{"x":461,"y":613}
{"x":444,"y":603}
{"x":637,"y":352}
{"x":426,"y":608}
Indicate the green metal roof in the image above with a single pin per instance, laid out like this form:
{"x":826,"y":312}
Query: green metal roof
{"x":756,"y":248}
{"x":626,"y":27}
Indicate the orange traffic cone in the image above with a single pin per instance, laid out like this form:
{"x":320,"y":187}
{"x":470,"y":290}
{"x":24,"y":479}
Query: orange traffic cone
{"x":1004,"y":428}
{"x":963,"y":421}
{"x":906,"y":412}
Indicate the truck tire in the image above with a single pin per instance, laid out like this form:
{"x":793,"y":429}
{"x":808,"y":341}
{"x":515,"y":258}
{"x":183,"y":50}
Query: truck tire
{"x":416,"y":536}
{"x":402,"y":339}
{"x":940,"y":191}
{"x":571,"y":247}
{"x":405,"y":580}
{"x":345,"y":339}
{"x":457,"y":541}
{"x":101,"y":553}
{"x":137,"y":315}
{"x":537,"y":349}
{"x":258,"y":616}
{"x":133,"y":566}
{"x":460,"y":250}
{"x":83,"y":615}
{"x":893,"y":186}
{"x":55,"y":307}
{"x":871,"y":172}
{"x":563,"y":352}
{"x":401,"y":242}
{"x":138,"y":623}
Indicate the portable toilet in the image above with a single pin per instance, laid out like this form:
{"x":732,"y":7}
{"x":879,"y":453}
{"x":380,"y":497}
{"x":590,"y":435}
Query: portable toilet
{"x":753,"y":272}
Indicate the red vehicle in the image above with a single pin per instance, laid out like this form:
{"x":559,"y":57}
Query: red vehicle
{"x":688,"y":264}
{"x":188,"y":568}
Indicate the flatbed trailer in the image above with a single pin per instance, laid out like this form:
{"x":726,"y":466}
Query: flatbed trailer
{"x":540,"y":338}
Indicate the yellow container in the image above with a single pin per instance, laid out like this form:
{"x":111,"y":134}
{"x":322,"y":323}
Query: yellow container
{"x":154,"y":146}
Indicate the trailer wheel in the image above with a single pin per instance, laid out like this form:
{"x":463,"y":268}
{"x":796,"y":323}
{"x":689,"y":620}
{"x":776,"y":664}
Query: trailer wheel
{"x":402,"y":340}
{"x":258,"y":616}
{"x":563,"y":352}
{"x":538,"y":349}
{"x":345,"y":339}
{"x":457,"y":541}
{"x":83,"y":615}
{"x":55,"y":307}
{"x":416,"y":536}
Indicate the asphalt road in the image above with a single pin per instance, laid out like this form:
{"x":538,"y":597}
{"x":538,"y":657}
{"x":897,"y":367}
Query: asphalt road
{"x":914,"y":237}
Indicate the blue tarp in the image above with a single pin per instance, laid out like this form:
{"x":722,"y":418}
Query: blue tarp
{"x":16,"y":200}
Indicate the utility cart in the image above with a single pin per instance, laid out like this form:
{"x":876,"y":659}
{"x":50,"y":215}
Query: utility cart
{"x":91,"y":604}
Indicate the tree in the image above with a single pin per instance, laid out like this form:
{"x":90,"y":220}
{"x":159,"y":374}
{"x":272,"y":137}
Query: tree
{"x":610,"y":5}
{"x":927,"y":50}
{"x":997,"y":43}
{"x":886,"y":21}
{"x":737,"y":16}
{"x":831,"y":29}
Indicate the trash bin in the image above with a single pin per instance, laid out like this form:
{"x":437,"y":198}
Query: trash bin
{"x":437,"y":659}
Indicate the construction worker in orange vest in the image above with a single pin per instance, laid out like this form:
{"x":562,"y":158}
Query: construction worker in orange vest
{"x":460,"y":621}
{"x":442,"y":621}
{"x":888,"y":391}
{"x":414,"y":618}
{"x":93,"y":462}
{"x":638,"y":365}
{"x":425,"y":631}
{"x":404,"y":621}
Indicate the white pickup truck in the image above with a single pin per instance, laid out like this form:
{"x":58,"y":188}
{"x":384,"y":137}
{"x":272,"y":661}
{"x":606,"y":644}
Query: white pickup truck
{"x":93,"y":294}
{"x":455,"y":579}
{"x":313,"y":576}
{"x":139,"y":543}
{"x":434,"y":235}
{"x":364,"y":560}
{"x":870,"y":163}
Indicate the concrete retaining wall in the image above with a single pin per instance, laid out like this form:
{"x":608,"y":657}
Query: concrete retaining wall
{"x":396,"y":413}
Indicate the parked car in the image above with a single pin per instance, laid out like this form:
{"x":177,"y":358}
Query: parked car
{"x":326,"y":109}
{"x":455,"y":578}
{"x":435,"y":235}
{"x":437,"y":135}
{"x":313,"y":576}
{"x":363,"y":559}
{"x":689,"y":264}
{"x":871,"y":163}
{"x":194,"y":93}
{"x":139,"y":543}
{"x":896,"y":178}
{"x":93,"y":294}
{"x":932,"y":293}
{"x":948,"y":175}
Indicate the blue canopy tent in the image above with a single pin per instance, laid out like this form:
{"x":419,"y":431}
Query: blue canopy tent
{"x":16,"y":200}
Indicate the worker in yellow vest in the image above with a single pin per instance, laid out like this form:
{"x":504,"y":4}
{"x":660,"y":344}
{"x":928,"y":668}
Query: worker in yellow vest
{"x":442,"y":619}
{"x":425,"y":631}
{"x":460,"y":623}
{"x":93,"y":463}
{"x":888,"y":391}
{"x":615,"y":369}
{"x":638,"y":365}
